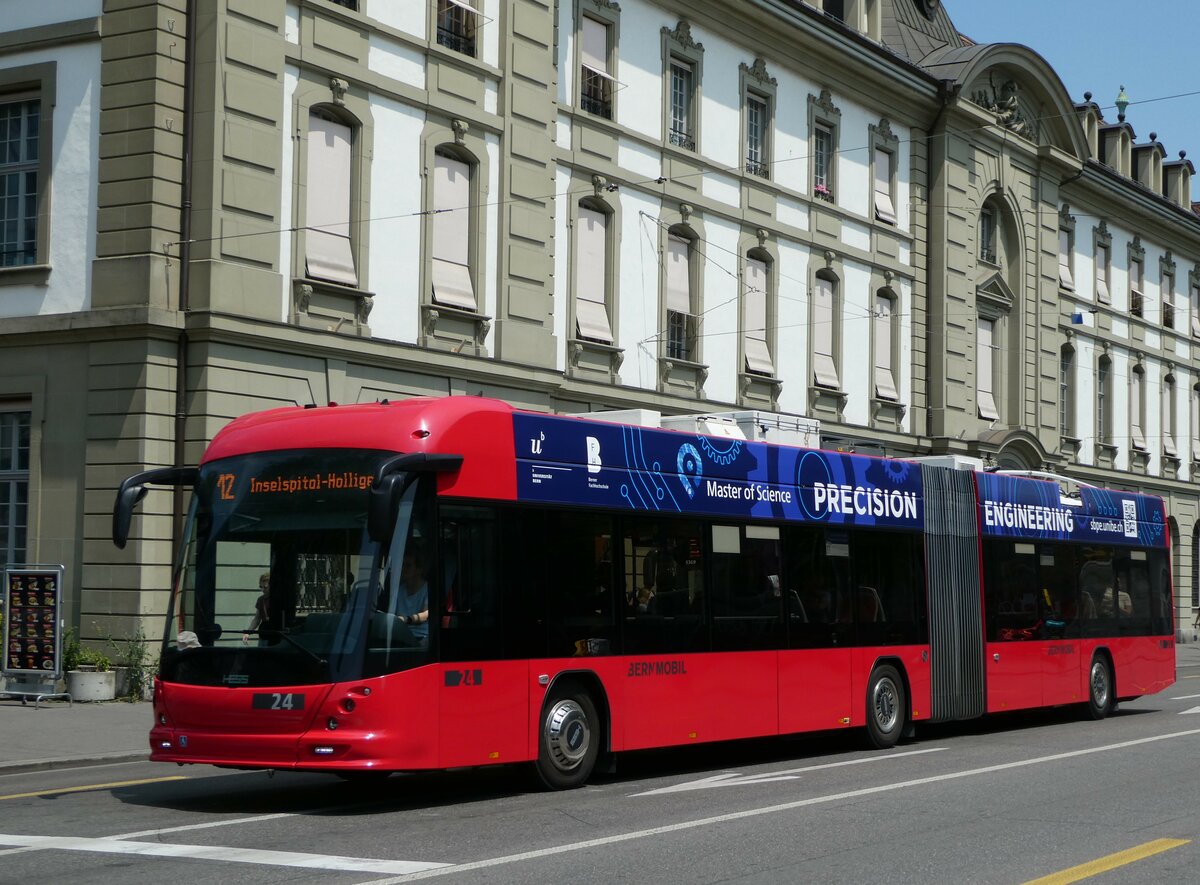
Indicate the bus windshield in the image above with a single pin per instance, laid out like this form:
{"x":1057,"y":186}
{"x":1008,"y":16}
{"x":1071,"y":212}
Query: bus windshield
{"x":279,"y":583}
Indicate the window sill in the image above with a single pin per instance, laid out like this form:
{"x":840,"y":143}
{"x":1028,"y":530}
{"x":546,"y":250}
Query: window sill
{"x":590,"y":360}
{"x":25,"y":275}
{"x":682,"y":376}
{"x":332,"y":307}
{"x":445,"y":327}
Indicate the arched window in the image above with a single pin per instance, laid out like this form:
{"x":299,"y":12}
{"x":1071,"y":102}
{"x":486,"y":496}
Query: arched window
{"x":328,"y":246}
{"x":452,"y":239}
{"x":592,"y":285}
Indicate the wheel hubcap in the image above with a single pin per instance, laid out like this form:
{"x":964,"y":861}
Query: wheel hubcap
{"x":1099,"y":684}
{"x":887,"y":706}
{"x":568,"y":734}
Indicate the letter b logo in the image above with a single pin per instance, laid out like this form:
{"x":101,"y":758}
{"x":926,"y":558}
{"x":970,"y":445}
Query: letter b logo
{"x":593,"y":455}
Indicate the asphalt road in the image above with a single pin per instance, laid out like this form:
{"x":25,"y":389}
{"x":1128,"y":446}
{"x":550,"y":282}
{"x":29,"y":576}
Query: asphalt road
{"x":1004,"y":800}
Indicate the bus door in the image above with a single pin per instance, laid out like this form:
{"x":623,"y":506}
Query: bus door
{"x":1032,"y":625}
{"x":815,"y":674}
{"x":1058,"y":604}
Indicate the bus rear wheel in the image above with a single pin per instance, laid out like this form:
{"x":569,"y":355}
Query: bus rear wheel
{"x":568,"y":741}
{"x":887,"y":707}
{"x":1100,"y":688}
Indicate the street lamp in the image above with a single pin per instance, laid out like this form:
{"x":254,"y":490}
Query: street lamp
{"x":1122,"y":103}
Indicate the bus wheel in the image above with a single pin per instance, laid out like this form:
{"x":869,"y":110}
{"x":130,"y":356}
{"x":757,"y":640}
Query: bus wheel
{"x":568,"y":742}
{"x":886,"y":707}
{"x":1100,"y":688}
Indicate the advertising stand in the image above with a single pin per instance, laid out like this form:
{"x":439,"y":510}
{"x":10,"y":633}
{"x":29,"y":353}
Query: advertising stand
{"x":33,"y":632}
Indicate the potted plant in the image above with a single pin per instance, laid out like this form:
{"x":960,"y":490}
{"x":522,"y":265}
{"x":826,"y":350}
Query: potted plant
{"x":89,"y":672}
{"x":132,"y":659}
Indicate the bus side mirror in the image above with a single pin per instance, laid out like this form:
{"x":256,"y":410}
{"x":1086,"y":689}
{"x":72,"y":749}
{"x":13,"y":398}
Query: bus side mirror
{"x":381,"y":506}
{"x":133,"y":489}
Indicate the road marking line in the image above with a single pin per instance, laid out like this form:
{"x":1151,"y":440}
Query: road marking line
{"x":89,"y":787}
{"x":218,"y":852}
{"x":775,"y":809}
{"x":1111,"y":862}
{"x":1186,"y":697}
{"x":724,"y":780}
{"x":212,"y":823}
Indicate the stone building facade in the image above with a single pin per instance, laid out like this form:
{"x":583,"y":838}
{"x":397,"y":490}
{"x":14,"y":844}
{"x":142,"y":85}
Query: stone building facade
{"x":842,"y":210}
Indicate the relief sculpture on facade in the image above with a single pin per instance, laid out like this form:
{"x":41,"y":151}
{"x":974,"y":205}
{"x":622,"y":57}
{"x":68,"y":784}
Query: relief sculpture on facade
{"x":1005,"y":104}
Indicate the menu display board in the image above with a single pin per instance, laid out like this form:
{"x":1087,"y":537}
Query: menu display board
{"x":32,"y":634}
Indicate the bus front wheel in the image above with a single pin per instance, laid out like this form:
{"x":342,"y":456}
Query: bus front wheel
{"x":1100,"y":688}
{"x":886,"y":707}
{"x":568,"y":741}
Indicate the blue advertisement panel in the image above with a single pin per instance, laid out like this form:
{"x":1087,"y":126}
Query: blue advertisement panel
{"x":1013,"y":507}
{"x":570,"y":461}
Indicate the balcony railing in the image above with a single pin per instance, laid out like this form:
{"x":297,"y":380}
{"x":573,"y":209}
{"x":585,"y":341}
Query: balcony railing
{"x":758,"y":167}
{"x":456,"y":39}
{"x":682,"y":139}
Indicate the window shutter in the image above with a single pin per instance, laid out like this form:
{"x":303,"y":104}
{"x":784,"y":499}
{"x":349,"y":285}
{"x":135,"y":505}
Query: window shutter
{"x":328,"y":252}
{"x":451,"y":233}
{"x":885,"y":381}
{"x":1135,"y":411}
{"x":591,"y":281}
{"x":824,"y":369}
{"x":884,"y":209}
{"x":679,"y":275}
{"x":1168,"y":418}
{"x":595,"y":45}
{"x":754,"y":318}
{"x":1102,"y":275}
{"x":986,"y":367}
{"x":1064,"y":260}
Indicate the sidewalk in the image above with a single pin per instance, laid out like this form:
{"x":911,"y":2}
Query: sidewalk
{"x":57,"y":735}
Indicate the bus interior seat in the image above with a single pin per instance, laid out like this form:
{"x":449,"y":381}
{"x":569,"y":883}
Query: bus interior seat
{"x":796,"y":607}
{"x":870,"y":608}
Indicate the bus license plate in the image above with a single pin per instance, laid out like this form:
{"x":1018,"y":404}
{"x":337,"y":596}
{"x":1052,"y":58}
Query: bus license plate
{"x":275,"y":700}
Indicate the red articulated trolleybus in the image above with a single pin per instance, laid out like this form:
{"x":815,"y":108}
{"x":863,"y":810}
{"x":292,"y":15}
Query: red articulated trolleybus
{"x":455,"y":582}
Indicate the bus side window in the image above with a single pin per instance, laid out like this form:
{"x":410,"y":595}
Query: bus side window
{"x":466,"y":586}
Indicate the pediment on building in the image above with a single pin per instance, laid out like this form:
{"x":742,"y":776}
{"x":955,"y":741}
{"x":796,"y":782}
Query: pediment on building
{"x":1018,"y":87}
{"x":994,"y":289}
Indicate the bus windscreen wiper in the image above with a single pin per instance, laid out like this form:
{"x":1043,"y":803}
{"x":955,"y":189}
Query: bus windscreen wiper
{"x":283,"y":634}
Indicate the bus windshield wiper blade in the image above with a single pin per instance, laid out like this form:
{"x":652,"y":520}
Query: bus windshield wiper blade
{"x":283,"y":634}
